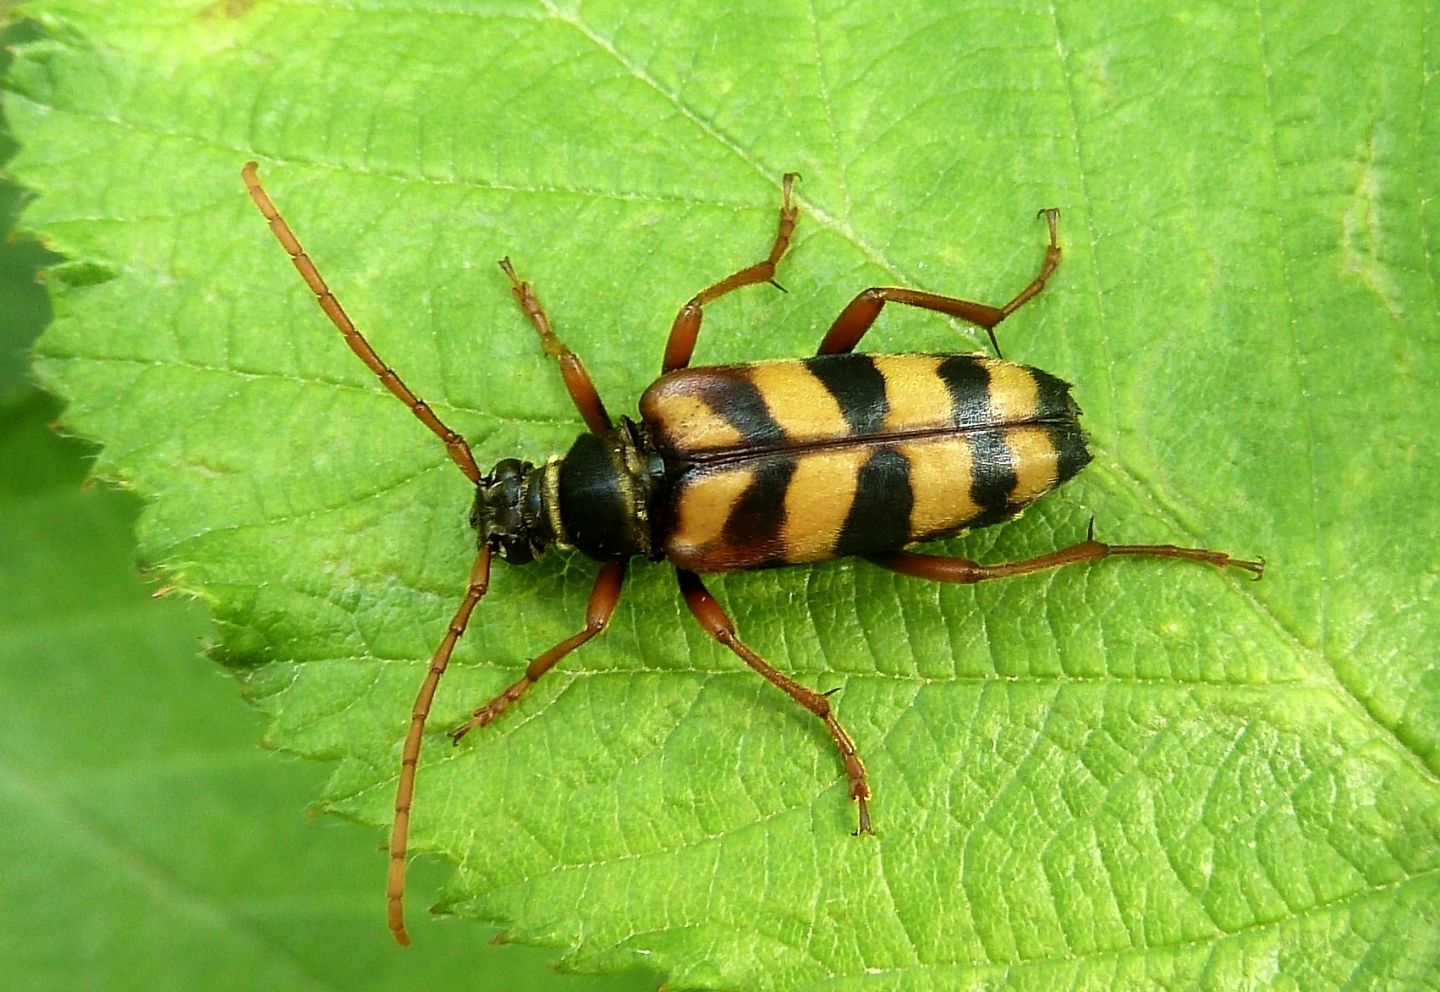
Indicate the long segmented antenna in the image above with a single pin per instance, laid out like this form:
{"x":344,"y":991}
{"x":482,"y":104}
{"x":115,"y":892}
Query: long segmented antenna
{"x":410,"y":757}
{"x":454,"y":443}
{"x":479,"y":573}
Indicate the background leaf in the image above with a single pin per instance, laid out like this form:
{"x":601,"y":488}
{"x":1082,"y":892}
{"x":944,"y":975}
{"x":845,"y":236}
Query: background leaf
{"x":1130,"y":775}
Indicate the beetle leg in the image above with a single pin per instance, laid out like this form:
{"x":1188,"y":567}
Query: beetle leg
{"x":862,"y":311}
{"x":604,"y":596}
{"x":577,"y":381}
{"x":686,"y":328}
{"x":410,"y":757}
{"x":719,"y":626}
{"x":963,"y":571}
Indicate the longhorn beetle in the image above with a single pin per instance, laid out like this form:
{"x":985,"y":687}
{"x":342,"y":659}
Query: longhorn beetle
{"x":755,"y":465}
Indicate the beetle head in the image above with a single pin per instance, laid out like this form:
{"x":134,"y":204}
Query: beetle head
{"x":498,"y":514}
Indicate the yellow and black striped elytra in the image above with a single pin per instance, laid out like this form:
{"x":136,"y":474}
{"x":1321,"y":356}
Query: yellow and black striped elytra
{"x":756,"y":465}
{"x":793,"y":462}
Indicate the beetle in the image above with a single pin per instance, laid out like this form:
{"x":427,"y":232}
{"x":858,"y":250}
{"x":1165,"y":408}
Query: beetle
{"x":756,"y":465}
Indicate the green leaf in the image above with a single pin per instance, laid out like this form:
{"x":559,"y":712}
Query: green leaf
{"x":1132,"y":775}
{"x":149,"y":844}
